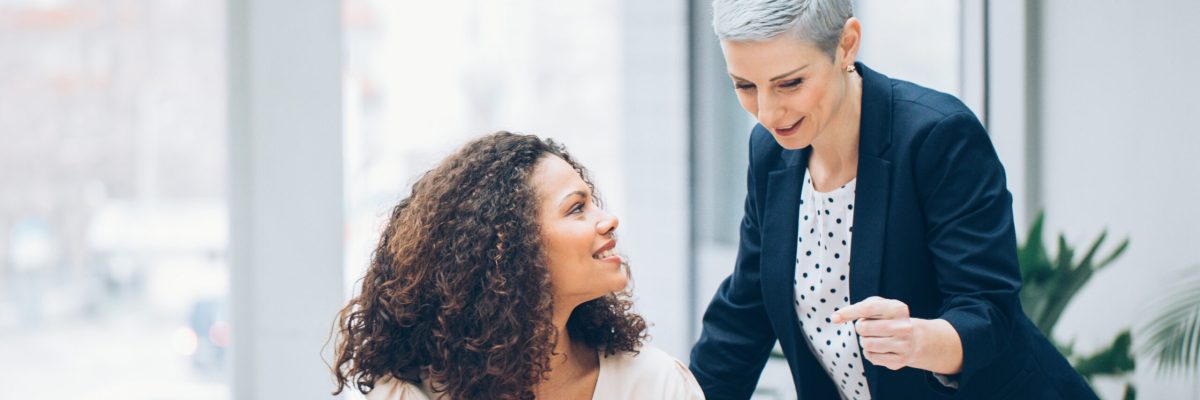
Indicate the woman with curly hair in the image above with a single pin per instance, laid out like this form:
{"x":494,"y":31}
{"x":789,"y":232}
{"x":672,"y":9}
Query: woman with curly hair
{"x":498,"y":278}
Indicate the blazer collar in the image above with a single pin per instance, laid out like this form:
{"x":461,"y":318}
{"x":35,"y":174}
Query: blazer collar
{"x":875,"y":123}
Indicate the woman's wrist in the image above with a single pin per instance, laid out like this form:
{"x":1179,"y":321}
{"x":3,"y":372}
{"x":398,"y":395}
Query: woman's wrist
{"x":937,"y":347}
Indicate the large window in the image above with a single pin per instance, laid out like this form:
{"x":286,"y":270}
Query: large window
{"x":112,"y":214}
{"x":422,"y":78}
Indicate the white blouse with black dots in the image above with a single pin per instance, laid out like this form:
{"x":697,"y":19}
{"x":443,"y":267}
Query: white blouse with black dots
{"x":822,"y":284}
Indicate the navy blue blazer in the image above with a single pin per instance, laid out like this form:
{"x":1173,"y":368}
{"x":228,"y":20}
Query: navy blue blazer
{"x":933,"y":229}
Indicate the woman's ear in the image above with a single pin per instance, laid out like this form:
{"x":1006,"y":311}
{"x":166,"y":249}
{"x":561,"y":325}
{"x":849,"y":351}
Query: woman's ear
{"x":851,"y":38}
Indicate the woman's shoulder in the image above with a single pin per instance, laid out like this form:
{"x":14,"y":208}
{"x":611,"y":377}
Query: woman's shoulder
{"x":918,"y":112}
{"x":648,"y":359}
{"x":649,"y":373}
{"x":919,"y":100}
{"x":395,"y":389}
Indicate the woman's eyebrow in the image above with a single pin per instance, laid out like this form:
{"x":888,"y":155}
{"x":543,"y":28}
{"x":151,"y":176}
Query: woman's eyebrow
{"x":784,"y":75}
{"x":579,"y":193}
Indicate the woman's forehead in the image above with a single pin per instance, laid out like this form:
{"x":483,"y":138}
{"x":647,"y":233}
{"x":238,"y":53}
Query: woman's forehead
{"x":767,"y":59}
{"x":555,"y":179}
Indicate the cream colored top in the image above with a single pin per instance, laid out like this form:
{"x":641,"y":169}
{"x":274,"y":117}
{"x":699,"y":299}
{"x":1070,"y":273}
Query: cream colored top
{"x":651,"y":374}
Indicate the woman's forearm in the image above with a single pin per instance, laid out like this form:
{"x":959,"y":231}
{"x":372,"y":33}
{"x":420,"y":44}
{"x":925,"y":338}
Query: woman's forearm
{"x":937,"y":347}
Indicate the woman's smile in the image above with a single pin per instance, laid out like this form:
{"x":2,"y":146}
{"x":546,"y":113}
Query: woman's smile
{"x":608,"y":253}
{"x":789,"y":130}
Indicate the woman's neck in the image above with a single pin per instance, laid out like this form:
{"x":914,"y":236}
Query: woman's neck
{"x":573,"y":366}
{"x":834,"y":159}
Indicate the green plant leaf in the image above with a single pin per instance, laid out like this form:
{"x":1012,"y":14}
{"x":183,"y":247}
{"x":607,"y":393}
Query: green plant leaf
{"x":1059,"y":290}
{"x":1114,"y":360}
{"x":1173,"y":335}
{"x":1130,"y":392}
{"x":1116,"y":253}
{"x":1075,"y":276}
{"x":1050,"y":282}
{"x":1036,"y":272}
{"x":1032,"y":255}
{"x":1086,"y":261}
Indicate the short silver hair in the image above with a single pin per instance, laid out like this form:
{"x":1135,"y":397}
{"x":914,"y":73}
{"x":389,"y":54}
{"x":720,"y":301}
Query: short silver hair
{"x":817,"y":21}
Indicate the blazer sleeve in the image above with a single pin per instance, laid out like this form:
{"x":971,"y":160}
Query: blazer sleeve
{"x":736,"y":338}
{"x":970,"y":233}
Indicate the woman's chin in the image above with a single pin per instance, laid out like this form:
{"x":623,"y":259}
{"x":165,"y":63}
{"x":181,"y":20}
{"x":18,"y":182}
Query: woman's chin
{"x":624,"y":283}
{"x":794,"y":142}
{"x":612,"y":273}
{"x":617,"y":283}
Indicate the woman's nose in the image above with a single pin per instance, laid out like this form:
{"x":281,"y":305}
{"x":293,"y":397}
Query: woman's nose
{"x":608,"y":224}
{"x":769,"y":111}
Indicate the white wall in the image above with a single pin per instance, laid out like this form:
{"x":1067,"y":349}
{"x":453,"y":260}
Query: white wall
{"x":1118,"y":151}
{"x":285,"y":194}
{"x":916,"y":40}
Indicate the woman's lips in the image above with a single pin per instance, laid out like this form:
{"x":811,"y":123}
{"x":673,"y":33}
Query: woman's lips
{"x":789,"y":131}
{"x":608,"y":253}
{"x":616,"y":259}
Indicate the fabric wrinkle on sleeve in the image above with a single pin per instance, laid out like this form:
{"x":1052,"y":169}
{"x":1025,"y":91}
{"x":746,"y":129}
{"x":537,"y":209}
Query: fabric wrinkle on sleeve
{"x":971,"y":238}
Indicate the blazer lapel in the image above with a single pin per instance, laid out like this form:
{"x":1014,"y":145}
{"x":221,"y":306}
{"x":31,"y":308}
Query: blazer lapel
{"x":871,"y":193}
{"x":870,"y":221}
{"x":779,"y":230}
{"x":779,"y":225}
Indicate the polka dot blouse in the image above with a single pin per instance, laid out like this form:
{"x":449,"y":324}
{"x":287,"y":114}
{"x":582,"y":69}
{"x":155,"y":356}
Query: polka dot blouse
{"x":822,"y":284}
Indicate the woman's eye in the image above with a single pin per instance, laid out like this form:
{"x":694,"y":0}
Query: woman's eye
{"x":792,"y":83}
{"x":743,"y":86}
{"x":575,"y":209}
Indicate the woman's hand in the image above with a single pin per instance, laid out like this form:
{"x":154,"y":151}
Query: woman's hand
{"x":890,"y":338}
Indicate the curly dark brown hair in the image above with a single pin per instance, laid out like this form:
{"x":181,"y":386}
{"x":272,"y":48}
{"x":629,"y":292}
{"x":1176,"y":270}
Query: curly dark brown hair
{"x":458,"y":290}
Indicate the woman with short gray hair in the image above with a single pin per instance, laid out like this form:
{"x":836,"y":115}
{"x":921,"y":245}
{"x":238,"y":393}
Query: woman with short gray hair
{"x":923,"y":302}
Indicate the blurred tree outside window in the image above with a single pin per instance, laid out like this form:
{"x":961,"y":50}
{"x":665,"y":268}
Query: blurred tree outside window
{"x":113,"y":219}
